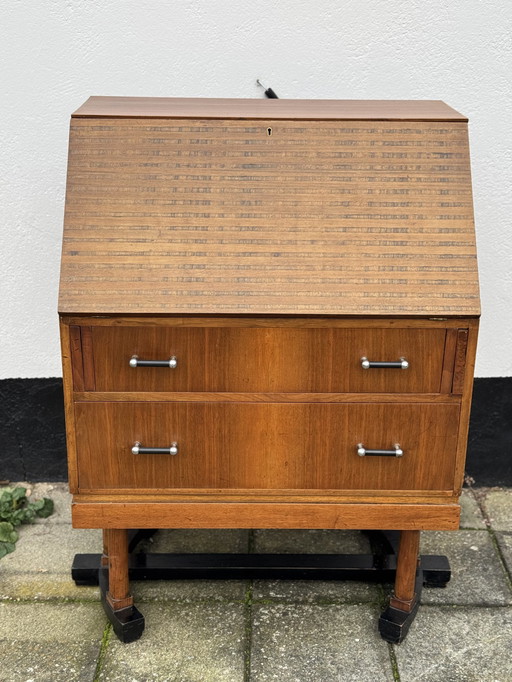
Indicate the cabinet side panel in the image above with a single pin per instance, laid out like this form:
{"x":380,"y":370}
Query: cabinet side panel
{"x":67,"y":376}
{"x":466,"y":406}
{"x":75,"y":344}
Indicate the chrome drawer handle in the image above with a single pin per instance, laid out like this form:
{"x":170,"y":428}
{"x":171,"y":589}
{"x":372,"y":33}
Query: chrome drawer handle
{"x":370,"y":364}
{"x":172,"y":362}
{"x":364,"y":452}
{"x":137,"y":449}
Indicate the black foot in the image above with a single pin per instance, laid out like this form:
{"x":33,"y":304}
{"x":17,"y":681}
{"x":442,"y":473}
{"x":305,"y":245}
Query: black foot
{"x":85,"y":567}
{"x":394,"y":624}
{"x":436,"y":570}
{"x":128,"y":623}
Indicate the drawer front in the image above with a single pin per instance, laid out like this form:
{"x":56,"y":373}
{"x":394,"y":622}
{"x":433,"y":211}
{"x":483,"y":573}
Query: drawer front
{"x":266,"y":446}
{"x":264,"y":360}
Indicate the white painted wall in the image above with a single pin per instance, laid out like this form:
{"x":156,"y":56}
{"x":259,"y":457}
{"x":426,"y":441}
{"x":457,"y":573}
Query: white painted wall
{"x":55,"y":53}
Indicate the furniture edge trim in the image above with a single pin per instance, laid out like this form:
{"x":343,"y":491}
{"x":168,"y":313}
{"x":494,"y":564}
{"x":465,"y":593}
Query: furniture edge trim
{"x":69,"y":410}
{"x":265,"y":515}
{"x":258,"y":108}
{"x":264,"y":320}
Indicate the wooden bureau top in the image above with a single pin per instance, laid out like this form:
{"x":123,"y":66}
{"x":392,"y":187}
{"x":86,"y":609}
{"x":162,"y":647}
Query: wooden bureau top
{"x":303,"y":109}
{"x":282,"y":207}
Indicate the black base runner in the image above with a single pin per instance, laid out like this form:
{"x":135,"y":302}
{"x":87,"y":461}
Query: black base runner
{"x":379,"y":567}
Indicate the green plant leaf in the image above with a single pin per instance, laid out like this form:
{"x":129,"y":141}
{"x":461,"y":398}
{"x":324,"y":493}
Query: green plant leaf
{"x":47,"y":508}
{"x":16,"y":509}
{"x":19,"y":492}
{"x":17,"y":517}
{"x":6,"y":548}
{"x":7,"y":532}
{"x":19,"y":497}
{"x":26,"y":515}
{"x":6,"y":500}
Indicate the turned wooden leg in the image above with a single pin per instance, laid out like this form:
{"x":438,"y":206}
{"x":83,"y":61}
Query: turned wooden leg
{"x":115,"y":543}
{"x":407,"y":564}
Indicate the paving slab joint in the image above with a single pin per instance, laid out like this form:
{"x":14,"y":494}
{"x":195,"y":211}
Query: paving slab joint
{"x":103,"y":651}
{"x":48,"y":600}
{"x":499,"y":552}
{"x":480,"y":495}
{"x":248,"y":632}
{"x":394,"y":662}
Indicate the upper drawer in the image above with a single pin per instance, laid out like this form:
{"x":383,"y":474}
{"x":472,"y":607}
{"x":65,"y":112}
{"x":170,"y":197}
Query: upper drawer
{"x":275,"y":359}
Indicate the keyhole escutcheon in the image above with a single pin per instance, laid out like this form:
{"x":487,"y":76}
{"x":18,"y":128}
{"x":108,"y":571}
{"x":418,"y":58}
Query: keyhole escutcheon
{"x":269,"y":131}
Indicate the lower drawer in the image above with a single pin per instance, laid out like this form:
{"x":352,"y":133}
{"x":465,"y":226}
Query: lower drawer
{"x":272,"y":446}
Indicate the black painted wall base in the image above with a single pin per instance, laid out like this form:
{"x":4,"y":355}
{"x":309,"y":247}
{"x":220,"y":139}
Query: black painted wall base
{"x":34,"y":444}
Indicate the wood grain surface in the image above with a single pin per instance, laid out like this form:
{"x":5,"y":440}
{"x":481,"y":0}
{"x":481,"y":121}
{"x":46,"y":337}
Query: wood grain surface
{"x":70,"y":338}
{"x":319,"y":217}
{"x":197,"y":107}
{"x":406,"y":566}
{"x":266,"y":360}
{"x":259,"y":321}
{"x":265,"y":515}
{"x":272,"y":446}
{"x":232,"y":397}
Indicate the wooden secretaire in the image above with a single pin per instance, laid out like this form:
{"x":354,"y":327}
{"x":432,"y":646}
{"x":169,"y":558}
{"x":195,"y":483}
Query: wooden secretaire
{"x":269,"y":312}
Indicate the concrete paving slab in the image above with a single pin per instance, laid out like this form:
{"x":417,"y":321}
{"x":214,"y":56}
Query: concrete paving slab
{"x":505,"y":544}
{"x":470,"y":513}
{"x":49,"y":642}
{"x":311,"y":643}
{"x":477,"y":573}
{"x":447,"y":644}
{"x":189,"y":591}
{"x":311,"y":542}
{"x":45,"y":587}
{"x":201,"y":643}
{"x":40,"y":566}
{"x":498,"y":504}
{"x":316,"y":592}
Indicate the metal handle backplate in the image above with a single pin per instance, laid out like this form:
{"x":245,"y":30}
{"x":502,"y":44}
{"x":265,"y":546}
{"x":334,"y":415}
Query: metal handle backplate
{"x":402,"y":363}
{"x":138,"y":449}
{"x":172,"y":362}
{"x":365,"y":452}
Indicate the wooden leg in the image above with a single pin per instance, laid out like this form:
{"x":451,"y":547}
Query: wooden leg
{"x":396,"y":620}
{"x":104,"y":556}
{"x":406,"y":567}
{"x":116,"y":544}
{"x":113,"y":579}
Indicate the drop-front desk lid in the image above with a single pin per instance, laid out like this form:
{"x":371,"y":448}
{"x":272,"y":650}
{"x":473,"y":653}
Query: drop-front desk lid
{"x":285,"y":207}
